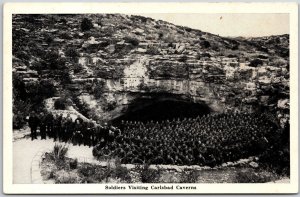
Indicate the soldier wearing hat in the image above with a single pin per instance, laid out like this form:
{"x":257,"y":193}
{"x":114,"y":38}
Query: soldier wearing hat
{"x":33,"y":122}
{"x":69,"y":127}
{"x":56,"y":127}
{"x":42,"y":126}
{"x":77,"y":136}
{"x":63,"y":132}
{"x":49,"y":124}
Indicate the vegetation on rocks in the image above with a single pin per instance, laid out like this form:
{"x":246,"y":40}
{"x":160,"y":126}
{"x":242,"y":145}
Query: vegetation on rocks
{"x":67,"y":171}
{"x":86,"y":24}
{"x":65,"y":48}
{"x":28,"y":97}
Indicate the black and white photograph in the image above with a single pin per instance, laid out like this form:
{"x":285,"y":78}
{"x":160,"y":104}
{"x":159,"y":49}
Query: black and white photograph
{"x":151,"y":101}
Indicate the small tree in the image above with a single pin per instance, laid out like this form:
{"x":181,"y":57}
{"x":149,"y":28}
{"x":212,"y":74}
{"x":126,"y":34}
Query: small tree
{"x":133,"y":41}
{"x":72,"y":53}
{"x":205,"y":44}
{"x":20,"y":110}
{"x":152,"y":50}
{"x":256,"y":62}
{"x":183,"y":58}
{"x":86,"y":24}
{"x":60,"y":104}
{"x":98,"y":89}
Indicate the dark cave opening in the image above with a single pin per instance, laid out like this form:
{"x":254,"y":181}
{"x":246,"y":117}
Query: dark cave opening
{"x":157,"y":109}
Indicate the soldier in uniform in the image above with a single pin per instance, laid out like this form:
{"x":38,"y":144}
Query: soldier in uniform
{"x":98,"y":133}
{"x":158,"y":160}
{"x":87,"y":133}
{"x":136,"y":160}
{"x":59,"y":126}
{"x":42,"y":126}
{"x":105,"y":131}
{"x":69,"y":127}
{"x":149,"y":156}
{"x":84,"y":128}
{"x":33,"y":122}
{"x":56,"y":127}
{"x":49,"y":124}
{"x":111,"y":134}
{"x":122,"y":125}
{"x":79,"y":120}
{"x":169,"y":160}
{"x":63,"y":136}
{"x":177,"y":160}
{"x":211,"y":161}
{"x":92,"y":134}
{"x":106,"y":151}
{"x":78,"y":131}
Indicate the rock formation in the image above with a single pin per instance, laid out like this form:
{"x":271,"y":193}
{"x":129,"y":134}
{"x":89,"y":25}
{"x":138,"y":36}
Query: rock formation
{"x":123,"y":58}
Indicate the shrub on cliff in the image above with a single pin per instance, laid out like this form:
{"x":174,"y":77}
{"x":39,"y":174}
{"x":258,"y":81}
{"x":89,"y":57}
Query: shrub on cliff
{"x":20,"y":110}
{"x":111,"y":106}
{"x":279,"y":62}
{"x":28,"y":97}
{"x":86,"y":24}
{"x":81,"y":106}
{"x":49,"y":39}
{"x":98,"y":89}
{"x":152,"y":50}
{"x":131,"y":40}
{"x":60,"y":104}
{"x":36,"y":49}
{"x":22,"y":55}
{"x":47,"y":88}
{"x":183,"y":58}
{"x":256,"y":62}
{"x":77,"y":68}
{"x":203,"y":55}
{"x":36,"y":92}
{"x":205,"y":44}
{"x":65,"y":35}
{"x":72,"y":53}
{"x":53,"y":60}
{"x":19,"y":88}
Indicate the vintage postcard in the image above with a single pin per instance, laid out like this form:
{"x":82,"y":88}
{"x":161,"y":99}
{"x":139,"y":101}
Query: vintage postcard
{"x":145,"y":98}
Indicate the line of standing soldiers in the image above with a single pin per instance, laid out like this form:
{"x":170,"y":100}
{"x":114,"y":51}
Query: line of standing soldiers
{"x":65,"y":129}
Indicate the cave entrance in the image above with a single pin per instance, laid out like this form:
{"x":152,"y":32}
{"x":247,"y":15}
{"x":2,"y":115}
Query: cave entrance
{"x":162,"y":107}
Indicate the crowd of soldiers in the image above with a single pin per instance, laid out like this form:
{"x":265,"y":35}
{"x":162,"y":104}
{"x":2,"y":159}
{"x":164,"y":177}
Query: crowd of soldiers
{"x":65,"y":129}
{"x":208,"y":140}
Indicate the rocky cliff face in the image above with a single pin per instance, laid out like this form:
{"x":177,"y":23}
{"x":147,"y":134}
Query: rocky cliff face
{"x":123,"y":58}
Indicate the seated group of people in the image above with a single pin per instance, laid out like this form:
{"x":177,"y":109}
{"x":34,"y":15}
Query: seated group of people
{"x":208,"y":140}
{"x":66,"y":129}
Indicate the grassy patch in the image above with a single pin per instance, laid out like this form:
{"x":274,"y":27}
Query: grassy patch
{"x":147,"y":174}
{"x":67,"y":170}
{"x":189,"y":176}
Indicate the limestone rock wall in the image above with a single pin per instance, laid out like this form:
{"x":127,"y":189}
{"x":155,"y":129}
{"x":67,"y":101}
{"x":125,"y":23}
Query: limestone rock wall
{"x":131,"y":56}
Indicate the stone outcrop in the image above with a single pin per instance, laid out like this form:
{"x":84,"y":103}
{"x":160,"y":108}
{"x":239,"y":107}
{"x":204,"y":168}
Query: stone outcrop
{"x":134,"y":56}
